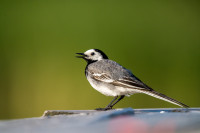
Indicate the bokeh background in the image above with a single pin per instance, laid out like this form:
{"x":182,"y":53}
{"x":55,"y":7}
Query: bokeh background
{"x":158,"y":40}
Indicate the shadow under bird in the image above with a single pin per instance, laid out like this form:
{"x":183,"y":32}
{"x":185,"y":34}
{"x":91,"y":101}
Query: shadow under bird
{"x":112,"y":79}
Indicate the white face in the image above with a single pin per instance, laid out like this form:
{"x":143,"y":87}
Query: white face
{"x":93,"y":55}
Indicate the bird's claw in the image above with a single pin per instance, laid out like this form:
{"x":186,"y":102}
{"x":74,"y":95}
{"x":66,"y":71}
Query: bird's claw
{"x":103,"y":109}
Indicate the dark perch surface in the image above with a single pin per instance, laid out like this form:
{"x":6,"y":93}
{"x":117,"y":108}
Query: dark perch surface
{"x":126,"y":120}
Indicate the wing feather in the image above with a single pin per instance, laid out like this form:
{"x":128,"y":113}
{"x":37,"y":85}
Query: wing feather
{"x":131,"y":83}
{"x":124,"y":82}
{"x":102,"y":77}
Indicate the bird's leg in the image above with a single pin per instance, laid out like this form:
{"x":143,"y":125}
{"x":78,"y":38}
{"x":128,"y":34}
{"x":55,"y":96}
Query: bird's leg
{"x":111,"y":104}
{"x":108,"y":106}
{"x":116,"y":101}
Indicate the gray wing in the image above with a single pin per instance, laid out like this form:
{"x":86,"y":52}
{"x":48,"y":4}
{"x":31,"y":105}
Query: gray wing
{"x":131,"y":83}
{"x":111,"y":72}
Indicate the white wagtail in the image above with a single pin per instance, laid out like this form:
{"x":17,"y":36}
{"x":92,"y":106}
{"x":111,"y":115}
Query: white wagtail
{"x":112,"y":79}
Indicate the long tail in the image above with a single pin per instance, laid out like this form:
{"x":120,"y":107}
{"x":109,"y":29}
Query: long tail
{"x":164,"y":97}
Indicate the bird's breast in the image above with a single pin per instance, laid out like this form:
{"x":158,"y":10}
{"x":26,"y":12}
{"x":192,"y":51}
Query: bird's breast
{"x":103,"y":88}
{"x":109,"y":89}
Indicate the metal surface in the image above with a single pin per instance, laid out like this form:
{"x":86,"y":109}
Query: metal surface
{"x":128,"y":120}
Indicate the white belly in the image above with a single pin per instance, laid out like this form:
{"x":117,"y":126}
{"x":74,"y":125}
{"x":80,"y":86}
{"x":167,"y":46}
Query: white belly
{"x":109,"y":89}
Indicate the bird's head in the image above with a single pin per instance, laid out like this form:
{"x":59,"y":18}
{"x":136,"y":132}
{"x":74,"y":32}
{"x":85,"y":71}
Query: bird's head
{"x":92,"y":55}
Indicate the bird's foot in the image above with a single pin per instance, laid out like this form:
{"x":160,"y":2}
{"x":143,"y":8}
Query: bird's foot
{"x":103,"y":109}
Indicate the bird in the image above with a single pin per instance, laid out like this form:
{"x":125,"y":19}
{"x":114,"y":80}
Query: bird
{"x":111,"y":79}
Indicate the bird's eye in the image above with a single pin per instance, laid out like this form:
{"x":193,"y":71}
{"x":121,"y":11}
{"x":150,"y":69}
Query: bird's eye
{"x":92,"y":53}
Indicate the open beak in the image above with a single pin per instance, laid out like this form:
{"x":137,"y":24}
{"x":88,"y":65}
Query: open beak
{"x":82,"y":55}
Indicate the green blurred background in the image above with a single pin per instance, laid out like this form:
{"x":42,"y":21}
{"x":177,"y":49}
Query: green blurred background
{"x":158,"y":41}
